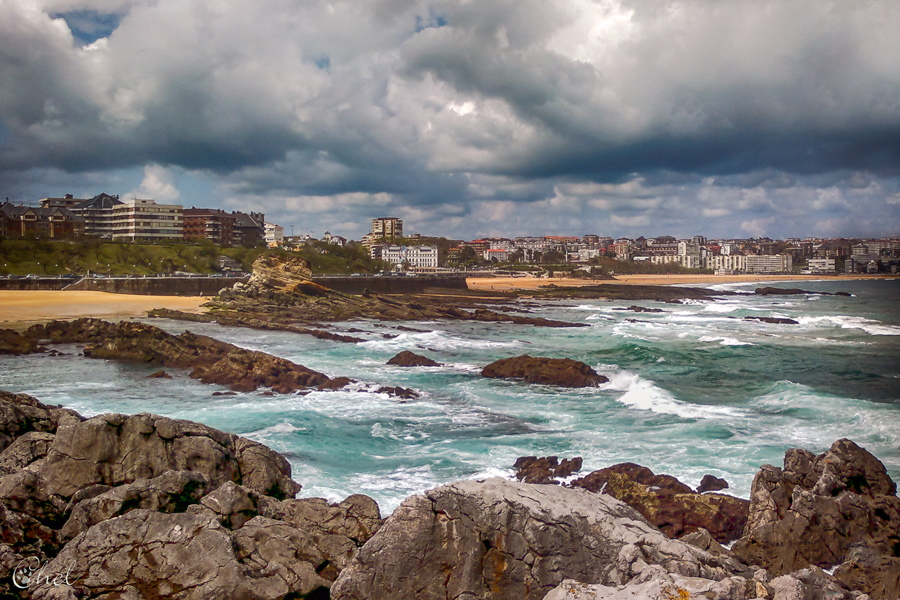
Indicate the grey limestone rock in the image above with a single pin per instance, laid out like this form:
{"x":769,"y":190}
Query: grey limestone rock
{"x":817,"y":509}
{"x":503,"y":540}
{"x":172,"y":491}
{"x":115,"y":449}
{"x":186,"y":556}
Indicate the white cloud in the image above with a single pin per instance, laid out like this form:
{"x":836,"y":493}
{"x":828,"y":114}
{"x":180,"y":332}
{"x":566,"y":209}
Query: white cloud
{"x":757,"y":227}
{"x":158,"y":184}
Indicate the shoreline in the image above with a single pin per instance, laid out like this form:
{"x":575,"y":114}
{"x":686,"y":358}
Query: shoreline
{"x":503,"y":284}
{"x":20,"y":309}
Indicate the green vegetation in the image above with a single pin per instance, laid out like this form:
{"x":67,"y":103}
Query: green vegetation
{"x":330,"y":259}
{"x":78,"y":257}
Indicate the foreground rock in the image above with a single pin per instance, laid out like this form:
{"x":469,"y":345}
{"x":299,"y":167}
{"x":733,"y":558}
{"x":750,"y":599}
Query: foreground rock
{"x":552,"y":371}
{"x":513,"y":541}
{"x":837,"y":508}
{"x":654,"y":583}
{"x":144,"y":506}
{"x":411,"y":359}
{"x":668,"y":503}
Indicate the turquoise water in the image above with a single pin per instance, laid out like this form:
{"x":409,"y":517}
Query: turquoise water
{"x":693,"y":390}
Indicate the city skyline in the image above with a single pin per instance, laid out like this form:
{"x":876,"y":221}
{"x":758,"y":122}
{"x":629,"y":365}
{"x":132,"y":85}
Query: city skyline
{"x":622,"y":118}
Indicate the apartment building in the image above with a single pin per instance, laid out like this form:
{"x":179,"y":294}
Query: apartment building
{"x":145,"y":220}
{"x":249,"y":230}
{"x":97,"y":213}
{"x":387,"y":228}
{"x":725,"y":263}
{"x":821,"y":265}
{"x":50,"y":222}
{"x":769,"y":263}
{"x":209,"y":224}
{"x":274,"y":234}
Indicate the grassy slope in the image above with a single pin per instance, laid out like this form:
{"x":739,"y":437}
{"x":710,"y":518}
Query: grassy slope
{"x":44,"y":257}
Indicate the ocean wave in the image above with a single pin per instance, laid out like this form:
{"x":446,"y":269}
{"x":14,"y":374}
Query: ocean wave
{"x":724,"y":340}
{"x":870,"y":326}
{"x":644,"y":394}
{"x":435,"y":340}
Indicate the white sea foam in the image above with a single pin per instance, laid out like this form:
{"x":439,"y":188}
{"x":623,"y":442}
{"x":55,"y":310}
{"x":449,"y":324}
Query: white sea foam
{"x":870,"y":326}
{"x":644,"y":394}
{"x":724,"y":340}
{"x":437,"y":340}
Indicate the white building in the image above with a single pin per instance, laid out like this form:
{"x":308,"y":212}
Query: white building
{"x":686,"y":261}
{"x":769,"y":263}
{"x":145,"y":220}
{"x":274,"y":234}
{"x":727,"y":263}
{"x":821,"y":265}
{"x":417,"y":258}
{"x":501,"y":254}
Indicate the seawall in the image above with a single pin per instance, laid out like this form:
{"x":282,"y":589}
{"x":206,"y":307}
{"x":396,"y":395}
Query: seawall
{"x":392,"y":284}
{"x":158,"y":286}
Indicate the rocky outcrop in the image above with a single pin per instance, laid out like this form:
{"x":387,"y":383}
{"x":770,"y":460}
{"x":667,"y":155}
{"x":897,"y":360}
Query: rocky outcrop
{"x":773,"y":320}
{"x":210,"y":360}
{"x":641,"y":309}
{"x":411,"y":359}
{"x":711,"y":483}
{"x":547,"y":469}
{"x":552,"y":371}
{"x":668,"y":503}
{"x":148,"y":554}
{"x":149,"y":507}
{"x":513,"y":541}
{"x":837,"y":508}
{"x":657,"y":584}
{"x":13,"y":342}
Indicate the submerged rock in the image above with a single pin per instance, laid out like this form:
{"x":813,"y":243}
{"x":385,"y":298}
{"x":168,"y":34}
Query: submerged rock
{"x":411,"y":359}
{"x":837,"y":508}
{"x":711,"y":483}
{"x":554,"y":371}
{"x":668,"y":503}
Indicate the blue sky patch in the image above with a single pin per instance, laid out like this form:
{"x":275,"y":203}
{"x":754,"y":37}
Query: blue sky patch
{"x":88,"y":26}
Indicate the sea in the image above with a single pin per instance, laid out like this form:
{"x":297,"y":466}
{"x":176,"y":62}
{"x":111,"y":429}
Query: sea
{"x":693,"y":390}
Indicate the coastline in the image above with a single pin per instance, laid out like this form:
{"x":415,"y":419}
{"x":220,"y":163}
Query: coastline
{"x":19,"y":309}
{"x":530,"y":283}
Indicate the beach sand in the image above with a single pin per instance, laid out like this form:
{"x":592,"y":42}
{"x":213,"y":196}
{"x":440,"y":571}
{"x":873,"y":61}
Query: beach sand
{"x":499,"y":284}
{"x":22,"y":308}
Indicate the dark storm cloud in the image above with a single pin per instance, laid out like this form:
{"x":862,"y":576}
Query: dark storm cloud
{"x":459,"y":112}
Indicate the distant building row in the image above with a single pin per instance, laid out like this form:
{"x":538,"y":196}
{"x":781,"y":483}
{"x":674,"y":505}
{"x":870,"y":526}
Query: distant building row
{"x":106,"y":216}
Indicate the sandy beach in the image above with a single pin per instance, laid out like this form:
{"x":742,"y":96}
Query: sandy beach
{"x":21,"y":308}
{"x":531,"y":283}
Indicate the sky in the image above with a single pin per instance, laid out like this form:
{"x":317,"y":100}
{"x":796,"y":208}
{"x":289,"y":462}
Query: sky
{"x":729,"y":119}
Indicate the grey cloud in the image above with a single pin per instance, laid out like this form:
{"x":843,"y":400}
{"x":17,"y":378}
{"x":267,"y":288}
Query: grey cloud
{"x":480,"y":106}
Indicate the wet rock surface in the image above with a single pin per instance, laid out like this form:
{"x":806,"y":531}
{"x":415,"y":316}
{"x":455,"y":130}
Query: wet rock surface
{"x":668,"y":503}
{"x":547,"y":469}
{"x":552,"y":371}
{"x":837,"y":508}
{"x":411,"y":359}
{"x":773,"y":320}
